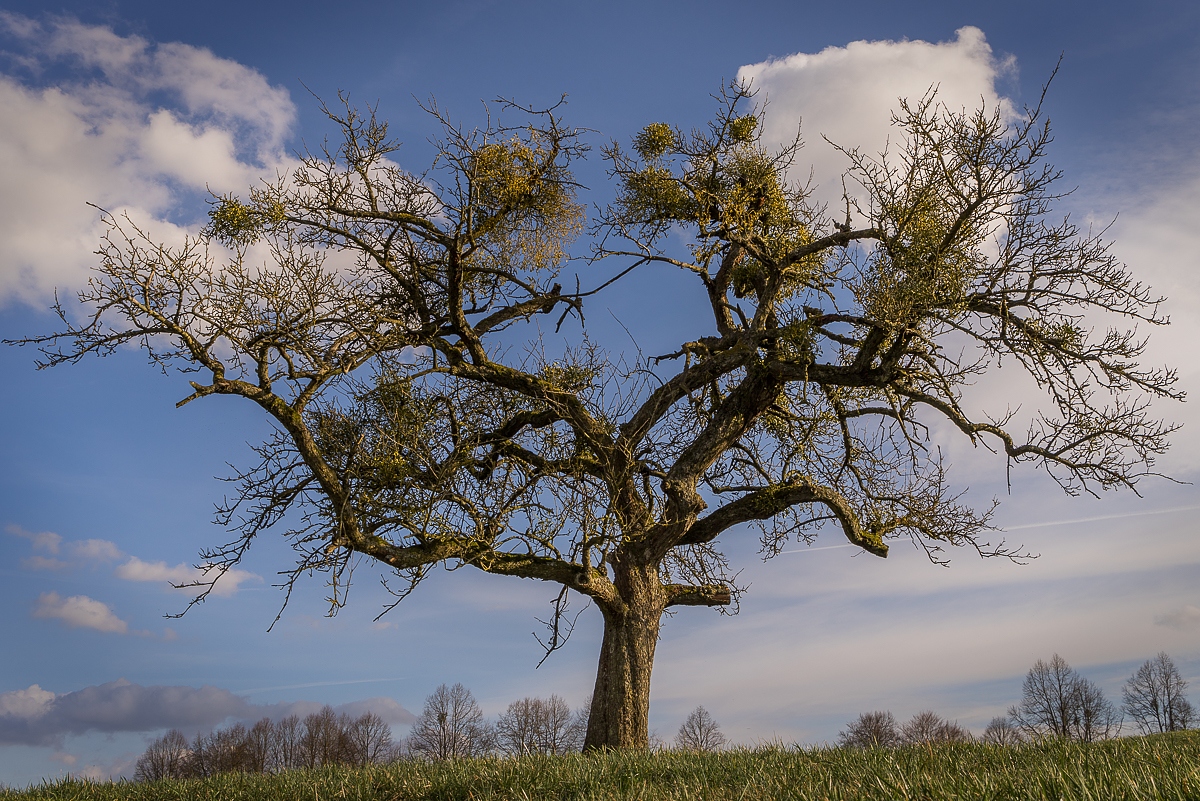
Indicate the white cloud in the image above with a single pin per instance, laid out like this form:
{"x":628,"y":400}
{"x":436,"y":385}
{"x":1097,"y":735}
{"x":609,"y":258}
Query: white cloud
{"x":137,"y":570}
{"x":181,"y":574}
{"x":95,"y":550}
{"x":848,"y":93}
{"x":28,"y":703}
{"x":46,"y":541}
{"x":80,"y":611}
{"x":111,"y":141}
{"x":90,"y":550}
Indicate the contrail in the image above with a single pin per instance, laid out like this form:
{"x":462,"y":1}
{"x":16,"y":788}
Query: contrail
{"x":1046,"y":524}
{"x":317,"y":684}
{"x":1100,"y":517}
{"x":822,"y":548}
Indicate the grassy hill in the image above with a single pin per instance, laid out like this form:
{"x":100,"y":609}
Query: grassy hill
{"x":1158,"y":767}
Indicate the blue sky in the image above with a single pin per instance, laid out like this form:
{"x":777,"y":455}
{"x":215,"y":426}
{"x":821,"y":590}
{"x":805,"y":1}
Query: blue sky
{"x":106,"y":490}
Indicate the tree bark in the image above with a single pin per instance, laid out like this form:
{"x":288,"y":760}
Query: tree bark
{"x":621,"y":700}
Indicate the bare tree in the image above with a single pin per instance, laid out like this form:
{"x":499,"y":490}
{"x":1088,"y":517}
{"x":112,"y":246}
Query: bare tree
{"x":1154,"y":697}
{"x":325,"y":739}
{"x":700,"y":732}
{"x":322,"y":738}
{"x":166,"y":758}
{"x":451,"y":726}
{"x":929,"y":727}
{"x":421,"y":421}
{"x":870,"y":730}
{"x":537,"y":726}
{"x":1057,"y":702}
{"x":369,"y":739}
{"x":1002,"y":731}
{"x":221,"y":751}
{"x":286,"y":752}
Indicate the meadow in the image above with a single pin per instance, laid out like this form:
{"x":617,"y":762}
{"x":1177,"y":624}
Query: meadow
{"x":1160,"y":767}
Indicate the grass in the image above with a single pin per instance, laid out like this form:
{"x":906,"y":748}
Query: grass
{"x":1162,"y":767}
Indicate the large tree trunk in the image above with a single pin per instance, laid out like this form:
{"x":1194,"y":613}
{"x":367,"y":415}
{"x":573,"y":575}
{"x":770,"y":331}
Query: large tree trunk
{"x":621,"y":700}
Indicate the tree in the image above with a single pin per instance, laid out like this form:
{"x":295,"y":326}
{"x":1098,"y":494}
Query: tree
{"x":929,"y":727}
{"x":382,"y":321}
{"x":537,"y":726}
{"x":286,"y":751}
{"x":1002,"y":731}
{"x":451,"y":726}
{"x":324,"y":739}
{"x":369,"y":739}
{"x":1057,"y":702}
{"x":221,"y":751}
{"x":166,"y":758}
{"x":1154,"y":697}
{"x":699,"y":732}
{"x":259,"y":746}
{"x":870,"y":730}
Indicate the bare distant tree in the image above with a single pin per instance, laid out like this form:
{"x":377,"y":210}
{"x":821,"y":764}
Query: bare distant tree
{"x":517,"y":728}
{"x":929,"y":727}
{"x":870,"y":730}
{"x":537,"y":726}
{"x":259,"y":741}
{"x":285,"y":746}
{"x":222,"y":751}
{"x":1001,"y":731}
{"x":699,"y":732}
{"x":1057,"y":702}
{"x":1154,"y":697}
{"x":166,"y":758}
{"x":369,"y":739}
{"x":451,"y":726}
{"x":324,"y":739}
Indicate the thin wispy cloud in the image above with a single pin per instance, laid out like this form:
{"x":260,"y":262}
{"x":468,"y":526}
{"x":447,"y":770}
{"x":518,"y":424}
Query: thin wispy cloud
{"x":38,"y":562}
{"x":45,"y":541}
{"x":90,"y":551}
{"x":1186,"y":618}
{"x":310,"y":684}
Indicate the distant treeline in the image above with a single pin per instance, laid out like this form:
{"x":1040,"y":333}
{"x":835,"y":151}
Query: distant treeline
{"x":450,"y":726}
{"x":320,"y":739}
{"x":1056,"y":702}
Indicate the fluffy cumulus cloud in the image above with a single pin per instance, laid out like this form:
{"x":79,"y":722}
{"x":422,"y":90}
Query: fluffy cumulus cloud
{"x":79,"y":612}
{"x":847,"y":94}
{"x":182,"y":575}
{"x":140,"y":128}
{"x":38,"y":717}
